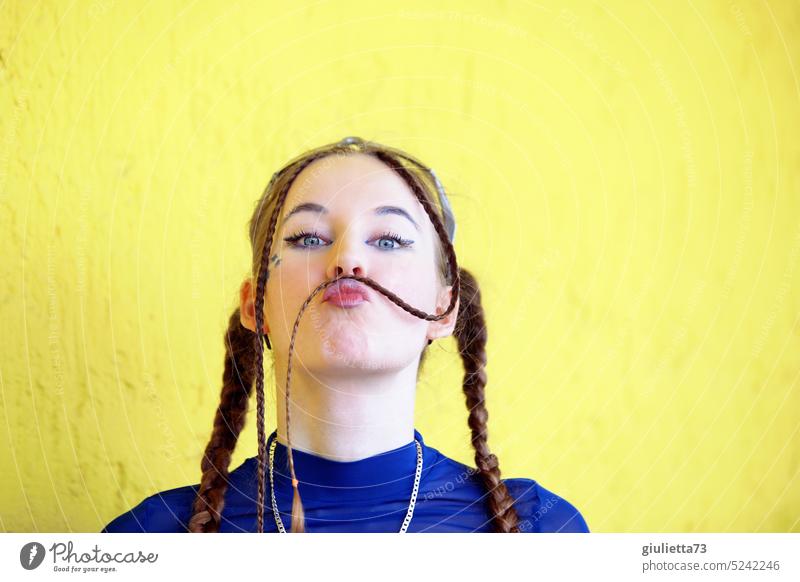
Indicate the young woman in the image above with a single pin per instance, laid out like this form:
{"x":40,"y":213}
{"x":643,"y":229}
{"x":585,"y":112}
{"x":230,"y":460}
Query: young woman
{"x":354,"y":275}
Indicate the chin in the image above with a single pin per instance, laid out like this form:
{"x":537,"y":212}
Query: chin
{"x":346,"y":351}
{"x":347,"y":346}
{"x":349,"y":356}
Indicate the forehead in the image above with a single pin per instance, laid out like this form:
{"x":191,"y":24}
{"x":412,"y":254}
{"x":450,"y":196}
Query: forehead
{"x":351,"y":180}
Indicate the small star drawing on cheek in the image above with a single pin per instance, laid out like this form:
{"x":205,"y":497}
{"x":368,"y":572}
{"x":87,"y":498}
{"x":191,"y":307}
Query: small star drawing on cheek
{"x":275,"y":260}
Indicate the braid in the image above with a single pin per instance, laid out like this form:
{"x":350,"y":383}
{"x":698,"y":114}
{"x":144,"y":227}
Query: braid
{"x":470,"y":333}
{"x":237,"y":384}
{"x":298,"y":515}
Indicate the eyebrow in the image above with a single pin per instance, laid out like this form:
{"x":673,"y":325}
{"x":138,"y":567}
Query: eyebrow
{"x":306,"y":207}
{"x":379,"y":211}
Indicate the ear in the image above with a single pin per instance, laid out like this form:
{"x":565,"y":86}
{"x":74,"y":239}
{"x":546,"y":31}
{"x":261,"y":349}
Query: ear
{"x":247,"y":306}
{"x":444,"y":327}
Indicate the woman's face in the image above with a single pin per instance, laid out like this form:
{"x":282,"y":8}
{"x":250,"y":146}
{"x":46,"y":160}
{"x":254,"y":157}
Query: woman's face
{"x":352,"y":215}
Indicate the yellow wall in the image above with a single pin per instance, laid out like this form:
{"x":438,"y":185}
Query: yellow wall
{"x":627,"y":183}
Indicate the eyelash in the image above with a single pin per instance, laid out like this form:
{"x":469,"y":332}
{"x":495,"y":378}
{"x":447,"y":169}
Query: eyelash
{"x":386,"y":234}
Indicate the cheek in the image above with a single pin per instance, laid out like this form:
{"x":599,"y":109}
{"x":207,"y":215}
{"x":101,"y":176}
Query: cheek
{"x":414,"y":284}
{"x":288,"y":287}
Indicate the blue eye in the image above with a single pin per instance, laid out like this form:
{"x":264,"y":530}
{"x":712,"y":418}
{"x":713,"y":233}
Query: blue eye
{"x":305,"y":237}
{"x":387,"y":241}
{"x":390,"y":241}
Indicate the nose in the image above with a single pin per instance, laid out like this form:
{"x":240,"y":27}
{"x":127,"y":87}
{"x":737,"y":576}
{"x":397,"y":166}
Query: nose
{"x":346,"y":259}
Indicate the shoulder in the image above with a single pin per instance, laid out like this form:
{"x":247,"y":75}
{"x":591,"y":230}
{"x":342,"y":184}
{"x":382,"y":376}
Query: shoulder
{"x":542,"y":511}
{"x":163,"y":512}
{"x":169,"y":511}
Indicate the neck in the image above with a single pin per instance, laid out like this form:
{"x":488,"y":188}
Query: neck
{"x":347,"y":417}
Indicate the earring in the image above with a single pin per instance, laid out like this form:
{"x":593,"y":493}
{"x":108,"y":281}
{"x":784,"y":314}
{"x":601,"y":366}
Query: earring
{"x":266,"y":339}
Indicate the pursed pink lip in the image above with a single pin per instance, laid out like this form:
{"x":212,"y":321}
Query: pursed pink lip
{"x":346,"y":293}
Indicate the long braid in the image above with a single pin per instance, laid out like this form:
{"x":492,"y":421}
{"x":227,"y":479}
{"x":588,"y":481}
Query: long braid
{"x":237,"y":385}
{"x":470,"y":334}
{"x":298,"y":515}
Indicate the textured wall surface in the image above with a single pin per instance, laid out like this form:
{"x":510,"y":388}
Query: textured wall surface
{"x":626,"y":179}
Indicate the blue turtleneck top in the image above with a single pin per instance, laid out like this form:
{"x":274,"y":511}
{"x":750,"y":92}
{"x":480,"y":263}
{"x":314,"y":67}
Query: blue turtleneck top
{"x":368,"y":495}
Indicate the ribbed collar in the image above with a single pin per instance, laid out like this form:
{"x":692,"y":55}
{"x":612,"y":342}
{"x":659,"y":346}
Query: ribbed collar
{"x":381,"y":475}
